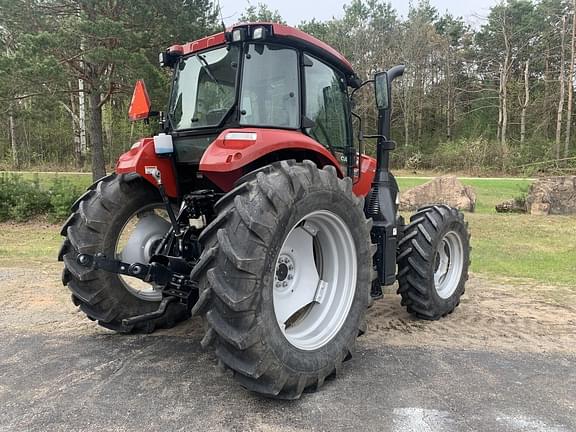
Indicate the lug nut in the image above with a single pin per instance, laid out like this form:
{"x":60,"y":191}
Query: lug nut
{"x":290,"y":267}
{"x":277,"y":284}
{"x":284,"y":284}
{"x":290,"y":277}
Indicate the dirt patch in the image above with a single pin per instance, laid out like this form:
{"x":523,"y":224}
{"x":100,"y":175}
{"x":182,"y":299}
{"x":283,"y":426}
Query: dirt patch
{"x":495,"y":314}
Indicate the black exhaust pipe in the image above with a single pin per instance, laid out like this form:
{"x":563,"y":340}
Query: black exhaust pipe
{"x":382,"y":201}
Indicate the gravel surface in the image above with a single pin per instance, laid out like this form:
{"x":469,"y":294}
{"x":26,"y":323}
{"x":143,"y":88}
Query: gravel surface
{"x":504,"y":361}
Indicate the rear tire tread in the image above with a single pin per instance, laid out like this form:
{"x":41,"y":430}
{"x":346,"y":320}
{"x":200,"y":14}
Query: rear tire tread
{"x":233,"y":327}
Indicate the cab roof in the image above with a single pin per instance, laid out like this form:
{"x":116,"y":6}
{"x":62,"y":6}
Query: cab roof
{"x":280,"y":33}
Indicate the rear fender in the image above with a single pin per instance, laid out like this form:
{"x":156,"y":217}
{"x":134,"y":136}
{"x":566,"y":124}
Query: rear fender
{"x":142,"y":156}
{"x":236,"y":150}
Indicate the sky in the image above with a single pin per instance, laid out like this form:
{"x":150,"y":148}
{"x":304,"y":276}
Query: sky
{"x":295,"y":11}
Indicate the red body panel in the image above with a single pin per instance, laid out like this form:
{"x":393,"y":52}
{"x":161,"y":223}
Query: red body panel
{"x":224,"y":160}
{"x":199,"y":45}
{"x":363,"y":184}
{"x":235,"y":148}
{"x":142,"y":155}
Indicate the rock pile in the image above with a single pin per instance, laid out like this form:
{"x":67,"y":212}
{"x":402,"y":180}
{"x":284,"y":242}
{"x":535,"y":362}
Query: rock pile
{"x":441,"y":190}
{"x":552,"y":196}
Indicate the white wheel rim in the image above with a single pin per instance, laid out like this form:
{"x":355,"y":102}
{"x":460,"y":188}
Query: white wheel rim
{"x":137,"y":241}
{"x":449,"y":263}
{"x":315,"y":280}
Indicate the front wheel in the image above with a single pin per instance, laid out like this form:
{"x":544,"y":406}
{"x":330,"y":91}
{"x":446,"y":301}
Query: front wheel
{"x":433,"y":261}
{"x":285,"y":278}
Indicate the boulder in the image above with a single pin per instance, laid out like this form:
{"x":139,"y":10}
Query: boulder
{"x":512,"y":206}
{"x":552,"y":196}
{"x":441,"y":190}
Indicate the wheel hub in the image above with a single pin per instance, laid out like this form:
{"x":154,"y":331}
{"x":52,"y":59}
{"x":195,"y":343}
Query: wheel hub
{"x":285,"y":270}
{"x":145,"y":237}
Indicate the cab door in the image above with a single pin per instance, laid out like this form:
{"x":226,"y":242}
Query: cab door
{"x":327,"y":109}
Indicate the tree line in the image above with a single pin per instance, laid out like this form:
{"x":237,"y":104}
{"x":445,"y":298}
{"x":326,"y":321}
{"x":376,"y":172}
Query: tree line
{"x":497,"y":96}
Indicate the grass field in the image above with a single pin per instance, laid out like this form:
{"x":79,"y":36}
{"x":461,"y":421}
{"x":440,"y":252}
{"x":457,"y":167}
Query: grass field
{"x":82,"y":180}
{"x":523,"y":246}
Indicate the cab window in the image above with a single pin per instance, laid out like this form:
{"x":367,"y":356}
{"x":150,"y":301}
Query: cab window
{"x":326,"y":104}
{"x":269,"y":95}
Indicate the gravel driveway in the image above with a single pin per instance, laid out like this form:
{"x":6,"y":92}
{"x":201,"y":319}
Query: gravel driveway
{"x":504,"y":361}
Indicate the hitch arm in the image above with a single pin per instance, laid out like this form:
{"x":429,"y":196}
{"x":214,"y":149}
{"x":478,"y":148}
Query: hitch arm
{"x":175,"y":286}
{"x":173,"y":283}
{"x":100,"y":262}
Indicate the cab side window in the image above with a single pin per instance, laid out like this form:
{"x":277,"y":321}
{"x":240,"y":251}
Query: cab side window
{"x":326,"y":104}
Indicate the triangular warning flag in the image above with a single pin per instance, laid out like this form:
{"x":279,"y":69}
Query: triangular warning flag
{"x":140,"y":104}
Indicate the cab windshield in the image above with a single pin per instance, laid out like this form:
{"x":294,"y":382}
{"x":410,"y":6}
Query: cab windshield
{"x":204,"y":89}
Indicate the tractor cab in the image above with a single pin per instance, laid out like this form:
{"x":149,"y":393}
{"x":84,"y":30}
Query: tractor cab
{"x":259,"y":75}
{"x":256,"y":77}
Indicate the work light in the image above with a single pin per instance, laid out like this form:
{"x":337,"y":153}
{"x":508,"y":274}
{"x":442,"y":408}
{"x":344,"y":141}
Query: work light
{"x":238,"y":35}
{"x":259,"y":33}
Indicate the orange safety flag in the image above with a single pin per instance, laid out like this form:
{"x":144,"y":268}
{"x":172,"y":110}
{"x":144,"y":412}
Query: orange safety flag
{"x":140,"y":104}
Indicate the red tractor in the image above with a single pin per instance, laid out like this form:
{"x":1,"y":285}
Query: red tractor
{"x":255,"y":209}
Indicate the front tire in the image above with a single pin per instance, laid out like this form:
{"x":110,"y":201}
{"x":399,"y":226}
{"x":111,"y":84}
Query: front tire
{"x":433,"y":261}
{"x":277,"y":332}
{"x":96,"y":226}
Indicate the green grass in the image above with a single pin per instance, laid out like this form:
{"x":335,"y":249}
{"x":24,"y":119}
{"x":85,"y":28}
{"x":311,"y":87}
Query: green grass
{"x":540,"y":248}
{"x":82,"y":180}
{"x":536,"y":247}
{"x":21,"y":244}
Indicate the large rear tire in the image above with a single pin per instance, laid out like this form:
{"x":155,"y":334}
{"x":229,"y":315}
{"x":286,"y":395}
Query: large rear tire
{"x":433,"y":261}
{"x":285,"y":278}
{"x":96,"y":225}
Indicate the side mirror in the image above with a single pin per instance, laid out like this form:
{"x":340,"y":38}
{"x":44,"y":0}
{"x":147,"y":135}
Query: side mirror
{"x":140,"y":104}
{"x":381,"y":88}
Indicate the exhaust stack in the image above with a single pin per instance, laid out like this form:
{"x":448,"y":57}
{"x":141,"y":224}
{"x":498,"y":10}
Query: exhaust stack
{"x":382,"y":201}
